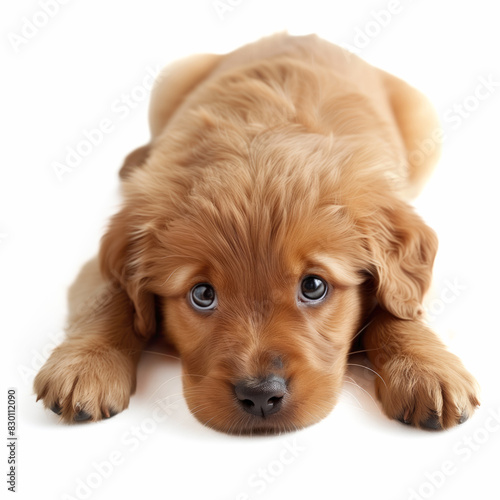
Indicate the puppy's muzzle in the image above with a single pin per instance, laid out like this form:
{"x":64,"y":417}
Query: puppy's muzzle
{"x":261,"y":397}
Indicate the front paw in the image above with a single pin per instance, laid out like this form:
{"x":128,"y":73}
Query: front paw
{"x":83,"y":381}
{"x":435,"y":393}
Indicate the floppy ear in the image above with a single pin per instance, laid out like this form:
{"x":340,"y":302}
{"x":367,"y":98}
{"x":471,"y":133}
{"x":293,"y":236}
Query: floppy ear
{"x":121,"y":258}
{"x":402,"y":249}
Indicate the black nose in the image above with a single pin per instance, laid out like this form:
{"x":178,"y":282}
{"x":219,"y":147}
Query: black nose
{"x":262,"y":397}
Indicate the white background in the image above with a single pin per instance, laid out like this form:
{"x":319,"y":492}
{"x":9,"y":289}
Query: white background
{"x":71,"y":74}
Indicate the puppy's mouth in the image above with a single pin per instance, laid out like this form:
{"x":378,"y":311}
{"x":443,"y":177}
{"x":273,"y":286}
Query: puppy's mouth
{"x":271,"y":404}
{"x":260,"y":406}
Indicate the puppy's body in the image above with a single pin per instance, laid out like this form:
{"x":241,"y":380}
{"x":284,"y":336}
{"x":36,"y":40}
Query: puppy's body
{"x":283,"y":166}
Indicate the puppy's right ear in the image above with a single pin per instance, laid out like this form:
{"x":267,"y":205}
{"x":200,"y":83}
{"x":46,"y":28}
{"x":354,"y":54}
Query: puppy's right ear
{"x":122,"y":259}
{"x":134,"y":160}
{"x":403,"y":249}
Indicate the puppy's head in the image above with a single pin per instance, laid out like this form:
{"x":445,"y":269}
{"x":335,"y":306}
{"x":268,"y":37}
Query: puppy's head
{"x":265,"y":262}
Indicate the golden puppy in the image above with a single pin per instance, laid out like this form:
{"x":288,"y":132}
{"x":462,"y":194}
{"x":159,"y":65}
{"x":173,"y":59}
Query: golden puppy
{"x":265,"y":225}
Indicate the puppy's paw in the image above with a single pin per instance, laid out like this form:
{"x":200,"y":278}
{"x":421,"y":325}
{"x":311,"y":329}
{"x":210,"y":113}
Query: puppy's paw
{"x":429,"y":394}
{"x":83,"y":381}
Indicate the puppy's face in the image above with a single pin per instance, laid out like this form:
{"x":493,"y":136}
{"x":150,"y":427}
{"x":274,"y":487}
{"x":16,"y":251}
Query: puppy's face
{"x":263,"y":336}
{"x":259,"y":263}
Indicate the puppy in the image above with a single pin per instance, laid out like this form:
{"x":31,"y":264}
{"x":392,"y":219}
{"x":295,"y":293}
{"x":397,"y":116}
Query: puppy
{"x":266,"y":232}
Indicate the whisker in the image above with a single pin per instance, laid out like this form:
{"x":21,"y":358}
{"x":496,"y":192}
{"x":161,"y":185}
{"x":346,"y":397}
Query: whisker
{"x":173,"y":378}
{"x":162,"y":354}
{"x":363,"y":328}
{"x":365,"y":350}
{"x":354,"y":397}
{"x":367,"y":368}
{"x":364,"y":390}
{"x":163,"y":384}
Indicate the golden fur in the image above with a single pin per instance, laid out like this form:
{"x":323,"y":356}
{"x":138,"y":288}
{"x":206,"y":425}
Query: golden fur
{"x":286,"y":158}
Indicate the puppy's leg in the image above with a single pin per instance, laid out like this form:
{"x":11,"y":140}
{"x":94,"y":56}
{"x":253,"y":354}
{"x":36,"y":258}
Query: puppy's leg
{"x":173,"y":86}
{"x":420,"y":130}
{"x":421,"y":382}
{"x":92,"y":373}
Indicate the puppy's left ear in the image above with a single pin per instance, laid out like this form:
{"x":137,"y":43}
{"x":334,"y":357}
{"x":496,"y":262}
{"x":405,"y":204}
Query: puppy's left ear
{"x":402,"y":249}
{"x":122,"y":255}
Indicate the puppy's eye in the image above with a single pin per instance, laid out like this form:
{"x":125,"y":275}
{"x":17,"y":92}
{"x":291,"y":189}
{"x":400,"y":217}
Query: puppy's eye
{"x":312,"y":289}
{"x":203,"y":297}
